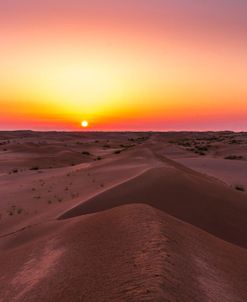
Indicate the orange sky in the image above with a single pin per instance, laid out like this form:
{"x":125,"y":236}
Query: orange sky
{"x":123,"y":65}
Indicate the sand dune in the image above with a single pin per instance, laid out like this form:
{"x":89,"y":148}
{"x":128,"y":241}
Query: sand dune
{"x":136,"y":225}
{"x":199,"y":201}
{"x":129,"y":253}
{"x":231,"y":172}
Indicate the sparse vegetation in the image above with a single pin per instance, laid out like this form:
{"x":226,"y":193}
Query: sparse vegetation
{"x":19,"y":211}
{"x":234,"y":157}
{"x":34,"y":168}
{"x":106,"y":146}
{"x":202,"y":148}
{"x":127,"y":146}
{"x":199,"y":145}
{"x":240,"y":188}
{"x":117,"y":152}
{"x":13,"y":210}
{"x":86,"y":153}
{"x":234,"y":142}
{"x":201,"y":153}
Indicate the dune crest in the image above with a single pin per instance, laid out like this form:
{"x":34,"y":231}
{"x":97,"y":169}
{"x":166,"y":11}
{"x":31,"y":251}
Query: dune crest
{"x":124,"y":221}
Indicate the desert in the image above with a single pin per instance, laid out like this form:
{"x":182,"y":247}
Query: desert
{"x":123,"y":216}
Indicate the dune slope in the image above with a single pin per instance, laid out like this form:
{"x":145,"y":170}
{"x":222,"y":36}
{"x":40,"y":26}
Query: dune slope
{"x":129,"y":253}
{"x":188,"y":196}
{"x":135,"y":225}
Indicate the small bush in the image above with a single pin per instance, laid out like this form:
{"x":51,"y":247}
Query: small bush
{"x":86,"y":153}
{"x":106,"y":146}
{"x":34,"y":168}
{"x":117,"y":152}
{"x":240,"y":188}
{"x":234,"y":157}
{"x":19,"y":211}
{"x":202,"y":148}
{"x":201,"y":153}
{"x":234,"y":142}
{"x":127,"y":146}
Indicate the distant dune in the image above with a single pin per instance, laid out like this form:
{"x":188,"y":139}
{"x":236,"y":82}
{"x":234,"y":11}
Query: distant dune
{"x":123,"y":217}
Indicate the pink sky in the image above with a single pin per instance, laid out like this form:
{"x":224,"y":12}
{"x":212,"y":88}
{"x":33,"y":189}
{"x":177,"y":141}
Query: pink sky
{"x":123,"y":65}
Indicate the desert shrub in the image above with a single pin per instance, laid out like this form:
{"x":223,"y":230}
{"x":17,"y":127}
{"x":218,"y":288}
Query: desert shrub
{"x":184,"y":144}
{"x":86,"y":153}
{"x":240,"y":188}
{"x":127,"y":146}
{"x":201,"y":153}
{"x":117,"y":152}
{"x":19,"y":211}
{"x":34,"y":168}
{"x":202,"y":148}
{"x":234,"y":142}
{"x":234,"y":157}
{"x":106,"y":146}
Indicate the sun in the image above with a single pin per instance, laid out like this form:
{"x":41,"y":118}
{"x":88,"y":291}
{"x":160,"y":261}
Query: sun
{"x":84,"y":124}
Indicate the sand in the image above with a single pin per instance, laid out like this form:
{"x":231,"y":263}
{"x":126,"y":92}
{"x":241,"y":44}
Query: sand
{"x":122,"y":217}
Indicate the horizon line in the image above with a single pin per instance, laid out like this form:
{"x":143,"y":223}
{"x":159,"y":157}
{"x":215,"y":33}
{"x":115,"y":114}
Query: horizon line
{"x":121,"y":131}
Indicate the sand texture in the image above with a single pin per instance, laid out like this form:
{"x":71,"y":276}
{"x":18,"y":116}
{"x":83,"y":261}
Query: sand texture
{"x":123,"y":217}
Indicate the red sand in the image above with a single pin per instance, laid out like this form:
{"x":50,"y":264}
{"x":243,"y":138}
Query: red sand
{"x":143,"y":227}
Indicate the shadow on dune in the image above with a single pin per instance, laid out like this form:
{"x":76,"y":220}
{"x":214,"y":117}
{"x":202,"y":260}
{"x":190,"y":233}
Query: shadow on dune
{"x":190,"y":197}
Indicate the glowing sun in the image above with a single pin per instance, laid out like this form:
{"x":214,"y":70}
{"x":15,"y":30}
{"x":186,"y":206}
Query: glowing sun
{"x":84,"y":124}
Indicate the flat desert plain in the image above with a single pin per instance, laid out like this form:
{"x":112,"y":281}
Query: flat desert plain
{"x":123,"y":216}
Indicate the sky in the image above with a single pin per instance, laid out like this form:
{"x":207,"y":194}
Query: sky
{"x":123,"y":65}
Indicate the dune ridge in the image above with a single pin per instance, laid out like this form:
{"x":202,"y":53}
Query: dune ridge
{"x":133,"y":226}
{"x":131,"y":252}
{"x":189,"y":197}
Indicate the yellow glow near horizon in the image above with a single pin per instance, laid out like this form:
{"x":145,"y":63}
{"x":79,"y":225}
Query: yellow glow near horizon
{"x":114,"y":74}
